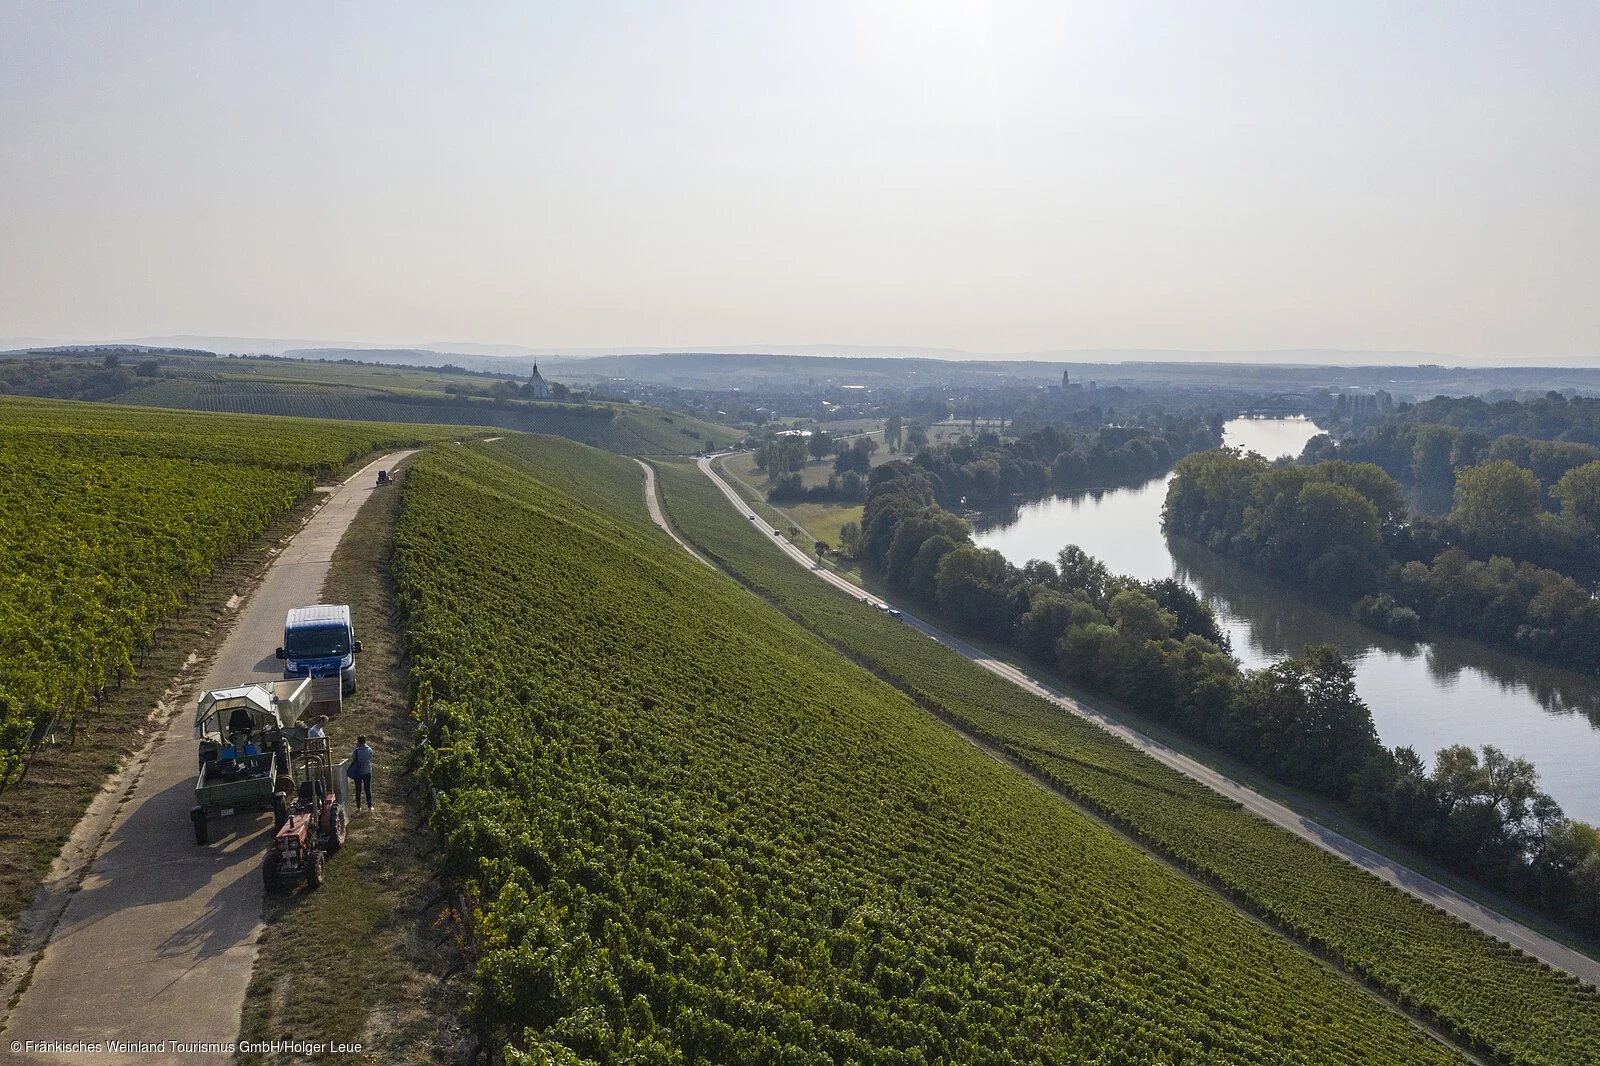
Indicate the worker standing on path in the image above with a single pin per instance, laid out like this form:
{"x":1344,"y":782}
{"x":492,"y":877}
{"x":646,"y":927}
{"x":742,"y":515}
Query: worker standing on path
{"x":360,"y":771}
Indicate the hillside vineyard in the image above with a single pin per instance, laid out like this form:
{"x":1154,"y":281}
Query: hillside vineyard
{"x":689,"y":831}
{"x":111,"y":515}
{"x":1490,"y":996}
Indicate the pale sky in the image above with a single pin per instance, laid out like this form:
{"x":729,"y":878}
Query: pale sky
{"x":996,"y":177}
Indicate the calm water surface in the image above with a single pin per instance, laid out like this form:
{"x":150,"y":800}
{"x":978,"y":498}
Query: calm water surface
{"x":1425,"y":695}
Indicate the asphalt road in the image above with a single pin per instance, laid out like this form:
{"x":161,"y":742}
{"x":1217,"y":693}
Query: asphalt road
{"x":1403,"y":877}
{"x":158,"y":943}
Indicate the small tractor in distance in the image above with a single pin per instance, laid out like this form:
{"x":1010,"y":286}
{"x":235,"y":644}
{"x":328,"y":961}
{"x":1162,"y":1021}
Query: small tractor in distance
{"x":311,"y":827}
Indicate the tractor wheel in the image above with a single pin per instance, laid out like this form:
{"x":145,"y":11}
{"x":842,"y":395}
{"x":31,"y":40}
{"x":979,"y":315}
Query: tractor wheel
{"x":202,"y":834}
{"x":269,"y":871}
{"x":341,"y":827}
{"x":314,"y":869}
{"x":280,"y":811}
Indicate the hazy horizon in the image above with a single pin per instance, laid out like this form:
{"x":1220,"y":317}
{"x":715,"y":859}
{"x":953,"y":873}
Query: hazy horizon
{"x":986,"y":180}
{"x":1276,"y":356}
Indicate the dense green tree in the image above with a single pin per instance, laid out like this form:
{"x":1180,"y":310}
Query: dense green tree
{"x":1083,"y":572}
{"x":910,"y":535}
{"x":781,"y":454}
{"x":1380,"y":490}
{"x":1431,"y":450}
{"x":1548,"y":460}
{"x":1578,"y":492}
{"x":924,"y":580}
{"x":850,"y":539}
{"x":1048,"y":616}
{"x":851,"y":461}
{"x":1497,"y":504}
{"x":1330,"y":515}
{"x":1211,"y":492}
{"x":1338,"y":528}
{"x":1470,"y":449}
{"x":972,"y":585}
{"x":896,"y":490}
{"x":892,"y":432}
{"x":1311,"y":727}
{"x":1137,"y":615}
{"x":1187,"y":609}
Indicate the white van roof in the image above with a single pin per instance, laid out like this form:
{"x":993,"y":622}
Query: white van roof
{"x":318,"y":615}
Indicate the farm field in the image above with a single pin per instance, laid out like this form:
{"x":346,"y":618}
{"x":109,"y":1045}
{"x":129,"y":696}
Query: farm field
{"x":821,"y":521}
{"x":643,"y":431}
{"x":850,"y":426}
{"x":1491,"y":997}
{"x":816,"y":471}
{"x":353,"y":391}
{"x":690,"y":830}
{"x":321,"y":371}
{"x":114,"y":514}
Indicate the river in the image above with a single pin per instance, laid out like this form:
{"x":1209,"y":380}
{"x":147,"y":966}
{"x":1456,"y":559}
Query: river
{"x":1423,"y":694}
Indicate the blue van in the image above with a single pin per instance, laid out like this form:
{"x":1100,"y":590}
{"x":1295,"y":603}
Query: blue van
{"x":320,"y":641}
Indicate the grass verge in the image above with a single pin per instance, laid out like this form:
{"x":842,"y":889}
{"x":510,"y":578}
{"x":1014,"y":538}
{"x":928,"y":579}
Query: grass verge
{"x":371,"y":957}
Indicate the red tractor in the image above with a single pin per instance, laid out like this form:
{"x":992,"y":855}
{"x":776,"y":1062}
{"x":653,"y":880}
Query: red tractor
{"x":310,"y":828}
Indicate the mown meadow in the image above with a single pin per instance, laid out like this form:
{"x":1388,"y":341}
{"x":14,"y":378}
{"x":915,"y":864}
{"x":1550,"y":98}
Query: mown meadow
{"x":688,"y":830}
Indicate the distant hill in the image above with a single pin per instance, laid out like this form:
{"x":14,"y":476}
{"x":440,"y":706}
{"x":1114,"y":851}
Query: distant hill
{"x":1418,"y":374}
{"x":709,"y":370}
{"x":627,"y":429}
{"x":201,"y":381}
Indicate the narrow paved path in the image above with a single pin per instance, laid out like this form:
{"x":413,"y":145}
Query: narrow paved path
{"x":652,"y":503}
{"x":1403,"y":877}
{"x":159,"y":942}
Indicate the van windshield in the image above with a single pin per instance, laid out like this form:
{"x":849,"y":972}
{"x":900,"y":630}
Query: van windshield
{"x":317,"y":642}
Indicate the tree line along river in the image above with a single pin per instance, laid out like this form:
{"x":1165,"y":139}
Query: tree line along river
{"x":1423,"y":694}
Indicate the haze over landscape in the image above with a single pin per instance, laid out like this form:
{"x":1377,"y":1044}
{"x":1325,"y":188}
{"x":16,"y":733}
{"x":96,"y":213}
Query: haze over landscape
{"x":888,"y":532}
{"x":989,"y":178}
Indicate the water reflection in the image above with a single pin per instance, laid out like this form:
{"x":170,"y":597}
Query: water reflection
{"x":1267,"y":622}
{"x":1558,"y":691}
{"x":1271,"y":437}
{"x":1425,"y":695}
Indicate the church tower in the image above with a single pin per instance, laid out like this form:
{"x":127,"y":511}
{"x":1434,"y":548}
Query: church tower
{"x":537,"y":388}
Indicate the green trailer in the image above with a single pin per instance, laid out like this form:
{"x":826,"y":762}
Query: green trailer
{"x":239,"y":733}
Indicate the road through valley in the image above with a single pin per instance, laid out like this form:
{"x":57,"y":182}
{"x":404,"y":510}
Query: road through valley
{"x":1475,"y":914}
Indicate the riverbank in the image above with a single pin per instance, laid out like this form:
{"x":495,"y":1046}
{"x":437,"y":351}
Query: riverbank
{"x":1423,"y":695}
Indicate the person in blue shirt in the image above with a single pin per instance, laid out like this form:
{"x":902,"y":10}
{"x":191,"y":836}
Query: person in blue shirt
{"x":360,"y":772}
